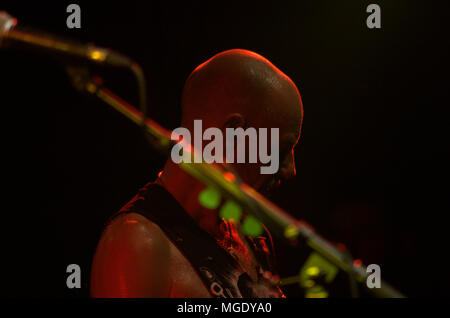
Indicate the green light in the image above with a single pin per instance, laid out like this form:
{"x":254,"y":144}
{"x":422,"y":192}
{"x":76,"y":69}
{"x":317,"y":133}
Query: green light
{"x":209,"y":198}
{"x":313,"y":266}
{"x":252,"y":227}
{"x":309,"y":283}
{"x":312,"y":271}
{"x":316,"y":292}
{"x":231,"y":210}
{"x":291,"y":232}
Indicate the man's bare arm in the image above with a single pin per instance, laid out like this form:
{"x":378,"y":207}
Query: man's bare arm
{"x":131,"y":260}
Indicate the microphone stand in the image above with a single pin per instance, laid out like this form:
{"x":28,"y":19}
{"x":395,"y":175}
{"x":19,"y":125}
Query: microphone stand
{"x":220,"y":177}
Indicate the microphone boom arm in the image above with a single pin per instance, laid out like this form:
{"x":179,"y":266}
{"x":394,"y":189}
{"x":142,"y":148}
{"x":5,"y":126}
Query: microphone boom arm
{"x":278,"y":221}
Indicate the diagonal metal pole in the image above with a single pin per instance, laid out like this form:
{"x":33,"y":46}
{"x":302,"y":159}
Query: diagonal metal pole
{"x":219,"y":176}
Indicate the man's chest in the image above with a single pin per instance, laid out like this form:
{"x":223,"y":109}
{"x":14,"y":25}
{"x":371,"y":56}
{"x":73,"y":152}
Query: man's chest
{"x":187,"y":282}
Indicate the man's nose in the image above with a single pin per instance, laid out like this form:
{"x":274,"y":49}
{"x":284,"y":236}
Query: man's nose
{"x":288,"y":171}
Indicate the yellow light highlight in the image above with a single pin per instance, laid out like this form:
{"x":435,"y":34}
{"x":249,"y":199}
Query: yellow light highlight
{"x":315,"y":263}
{"x":91,"y":88}
{"x":322,"y":294}
{"x":316,"y":292}
{"x":97,"y":55}
{"x":291,"y":232}
{"x":312,"y":271}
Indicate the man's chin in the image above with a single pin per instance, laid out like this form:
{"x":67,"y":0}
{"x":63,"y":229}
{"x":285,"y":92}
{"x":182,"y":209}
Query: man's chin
{"x":267,"y":188}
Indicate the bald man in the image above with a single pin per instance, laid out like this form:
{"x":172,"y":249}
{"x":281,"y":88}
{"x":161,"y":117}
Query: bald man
{"x":163,"y":243}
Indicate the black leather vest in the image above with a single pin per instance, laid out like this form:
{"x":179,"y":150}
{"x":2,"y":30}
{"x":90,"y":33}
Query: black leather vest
{"x":219,"y":271}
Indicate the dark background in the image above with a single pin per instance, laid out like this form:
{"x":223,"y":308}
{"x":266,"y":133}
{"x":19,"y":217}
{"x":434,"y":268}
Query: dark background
{"x":372,"y":162}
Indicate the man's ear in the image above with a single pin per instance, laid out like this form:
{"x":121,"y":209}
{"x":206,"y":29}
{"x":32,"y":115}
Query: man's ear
{"x":234,"y":120}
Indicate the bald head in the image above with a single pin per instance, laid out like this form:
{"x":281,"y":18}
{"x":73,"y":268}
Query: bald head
{"x":240,"y":81}
{"x":240,"y":88}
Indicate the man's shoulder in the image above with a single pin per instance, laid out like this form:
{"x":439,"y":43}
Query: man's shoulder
{"x":135,"y":228}
{"x":131,"y":259}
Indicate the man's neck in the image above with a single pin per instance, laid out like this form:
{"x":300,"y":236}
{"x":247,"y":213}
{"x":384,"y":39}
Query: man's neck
{"x":186,"y":189}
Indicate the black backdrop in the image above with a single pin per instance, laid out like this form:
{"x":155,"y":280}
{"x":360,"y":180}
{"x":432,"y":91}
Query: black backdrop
{"x":371,"y":163}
